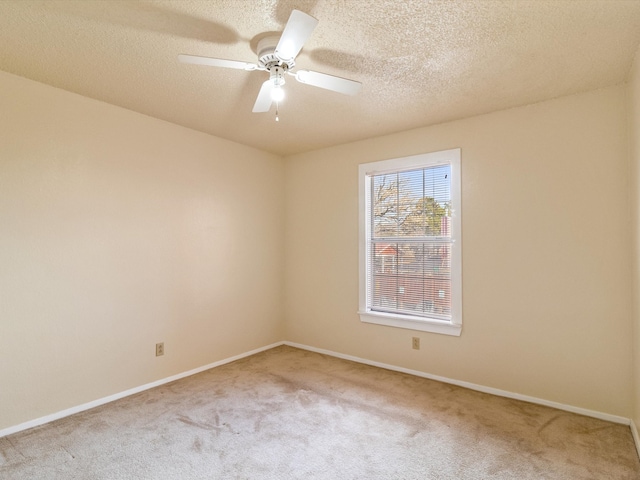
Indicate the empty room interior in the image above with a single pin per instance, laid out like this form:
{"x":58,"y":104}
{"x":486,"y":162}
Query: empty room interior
{"x":165,"y":220}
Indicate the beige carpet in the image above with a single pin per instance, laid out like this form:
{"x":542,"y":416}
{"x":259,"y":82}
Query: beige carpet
{"x":292,"y":414}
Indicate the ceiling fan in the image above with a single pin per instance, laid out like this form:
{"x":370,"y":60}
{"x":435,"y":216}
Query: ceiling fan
{"x":276,"y":55}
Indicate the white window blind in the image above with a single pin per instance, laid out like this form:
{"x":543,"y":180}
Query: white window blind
{"x":411,"y":260}
{"x":411,"y":242}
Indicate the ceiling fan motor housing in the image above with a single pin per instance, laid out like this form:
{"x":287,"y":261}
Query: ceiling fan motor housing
{"x":267,"y":58}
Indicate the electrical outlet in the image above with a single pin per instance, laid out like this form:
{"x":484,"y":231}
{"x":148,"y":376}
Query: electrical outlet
{"x":415,"y":343}
{"x":159,"y":349}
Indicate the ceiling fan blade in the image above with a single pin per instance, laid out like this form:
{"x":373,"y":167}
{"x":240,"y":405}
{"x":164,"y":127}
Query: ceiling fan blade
{"x":216,"y":62}
{"x":263,"y":102}
{"x":329,"y":82}
{"x":297,"y":30}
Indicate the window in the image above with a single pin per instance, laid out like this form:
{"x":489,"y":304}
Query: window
{"x":410,"y":252}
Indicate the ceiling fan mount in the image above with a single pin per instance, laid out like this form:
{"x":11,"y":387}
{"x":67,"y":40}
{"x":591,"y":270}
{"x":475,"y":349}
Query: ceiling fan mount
{"x":276,"y":55}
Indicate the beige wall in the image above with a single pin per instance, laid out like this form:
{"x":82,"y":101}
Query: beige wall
{"x":118,"y":231}
{"x":546,"y":272}
{"x":634,"y":143}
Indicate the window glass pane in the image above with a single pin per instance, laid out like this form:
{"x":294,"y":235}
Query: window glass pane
{"x":414,"y":203}
{"x":412,"y":277}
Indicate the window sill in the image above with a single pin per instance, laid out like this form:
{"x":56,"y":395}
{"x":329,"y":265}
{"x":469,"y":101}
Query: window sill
{"x":411,"y":323}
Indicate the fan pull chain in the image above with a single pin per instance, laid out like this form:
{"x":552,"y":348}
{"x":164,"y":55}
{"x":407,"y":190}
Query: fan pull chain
{"x":277,"y":117}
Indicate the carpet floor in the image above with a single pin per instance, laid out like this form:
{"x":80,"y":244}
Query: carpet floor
{"x":292,"y":414}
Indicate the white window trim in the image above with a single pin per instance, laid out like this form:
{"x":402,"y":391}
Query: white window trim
{"x":365,"y":171}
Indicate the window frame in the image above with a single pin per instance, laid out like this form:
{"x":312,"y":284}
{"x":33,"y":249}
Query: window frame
{"x":426,"y":160}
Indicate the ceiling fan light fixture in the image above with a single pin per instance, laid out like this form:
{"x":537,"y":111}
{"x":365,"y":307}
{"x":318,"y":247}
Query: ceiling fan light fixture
{"x":276,"y":75}
{"x":277,"y":93}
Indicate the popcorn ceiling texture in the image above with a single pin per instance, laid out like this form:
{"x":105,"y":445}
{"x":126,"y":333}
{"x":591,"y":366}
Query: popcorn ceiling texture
{"x":420,"y":62}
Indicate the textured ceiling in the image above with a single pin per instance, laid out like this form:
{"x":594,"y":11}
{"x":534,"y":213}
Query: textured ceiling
{"x":420,"y":62}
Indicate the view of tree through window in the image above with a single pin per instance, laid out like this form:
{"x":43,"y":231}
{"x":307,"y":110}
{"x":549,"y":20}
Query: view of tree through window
{"x":411,"y":242}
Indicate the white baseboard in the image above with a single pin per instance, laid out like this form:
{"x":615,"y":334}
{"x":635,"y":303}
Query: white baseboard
{"x":473,"y":386}
{"x":101,"y":401}
{"x":636,"y":437}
